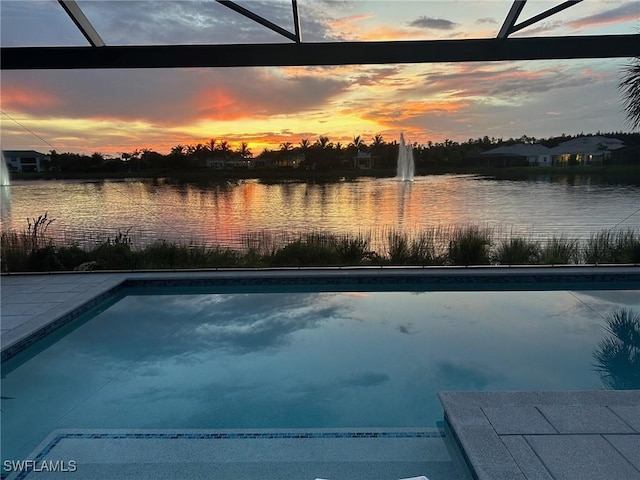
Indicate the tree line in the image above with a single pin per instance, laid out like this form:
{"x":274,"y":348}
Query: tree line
{"x":320,"y":154}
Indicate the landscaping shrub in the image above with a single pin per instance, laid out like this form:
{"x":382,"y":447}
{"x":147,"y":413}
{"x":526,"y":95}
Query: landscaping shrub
{"x":353,"y":250}
{"x":115,"y":254}
{"x":300,"y":253}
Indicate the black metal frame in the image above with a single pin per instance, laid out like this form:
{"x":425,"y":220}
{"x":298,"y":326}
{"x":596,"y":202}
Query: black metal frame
{"x":299,"y":53}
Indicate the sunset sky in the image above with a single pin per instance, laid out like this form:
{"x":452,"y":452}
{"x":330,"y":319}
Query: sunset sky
{"x":115,"y":111}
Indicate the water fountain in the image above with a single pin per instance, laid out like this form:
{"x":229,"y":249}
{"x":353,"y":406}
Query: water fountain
{"x":5,"y":191}
{"x":406,"y":166}
{"x":4,"y":172}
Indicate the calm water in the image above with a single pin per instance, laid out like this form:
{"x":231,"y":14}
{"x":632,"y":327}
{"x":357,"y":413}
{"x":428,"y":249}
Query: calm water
{"x":221,"y":214}
{"x":301,"y":360}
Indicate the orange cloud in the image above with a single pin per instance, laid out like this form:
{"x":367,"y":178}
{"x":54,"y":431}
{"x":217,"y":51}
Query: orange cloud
{"x":392,"y":113}
{"x":18,"y":98}
{"x":221,"y":105}
{"x":385,"y":32}
{"x":346,"y":27}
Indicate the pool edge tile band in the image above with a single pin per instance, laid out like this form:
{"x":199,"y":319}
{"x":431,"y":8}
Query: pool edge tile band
{"x":575,"y":277}
{"x":56,"y":437}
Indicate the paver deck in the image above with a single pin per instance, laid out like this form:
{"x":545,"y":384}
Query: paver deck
{"x":591,"y":435}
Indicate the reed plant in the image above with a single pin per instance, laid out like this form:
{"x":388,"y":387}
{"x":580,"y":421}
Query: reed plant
{"x":470,"y":245}
{"x":559,"y":250}
{"x":421,"y":249}
{"x":30,"y":250}
{"x":517,"y":251}
{"x":305,"y":253}
{"x":607,"y":246}
{"x":33,"y":250}
{"x":354,"y":250}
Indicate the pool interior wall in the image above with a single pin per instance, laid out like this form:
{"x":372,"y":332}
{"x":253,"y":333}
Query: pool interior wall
{"x":88,"y":290}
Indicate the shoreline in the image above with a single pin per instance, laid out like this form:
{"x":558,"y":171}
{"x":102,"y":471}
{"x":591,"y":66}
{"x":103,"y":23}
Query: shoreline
{"x":628,"y":173}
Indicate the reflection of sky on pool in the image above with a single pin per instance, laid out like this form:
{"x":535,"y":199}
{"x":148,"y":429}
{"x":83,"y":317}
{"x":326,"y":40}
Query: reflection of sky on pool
{"x":301,"y":360}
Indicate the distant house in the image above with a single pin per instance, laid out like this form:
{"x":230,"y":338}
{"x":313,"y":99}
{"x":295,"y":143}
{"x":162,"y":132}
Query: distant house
{"x":593,"y":150}
{"x":290,"y":160}
{"x":220,"y":163}
{"x":26,"y":160}
{"x":517,"y":154}
{"x":363,"y":161}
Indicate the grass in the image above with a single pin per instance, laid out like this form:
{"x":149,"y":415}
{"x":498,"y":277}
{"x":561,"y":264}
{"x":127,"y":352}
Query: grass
{"x":33,"y":250}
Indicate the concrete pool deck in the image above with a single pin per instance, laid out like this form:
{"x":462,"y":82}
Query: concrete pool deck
{"x":533,"y":435}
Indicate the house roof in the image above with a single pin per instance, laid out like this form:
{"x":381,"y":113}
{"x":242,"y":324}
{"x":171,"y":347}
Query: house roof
{"x":588,"y":144}
{"x":519,"y":150}
{"x":22,"y":153}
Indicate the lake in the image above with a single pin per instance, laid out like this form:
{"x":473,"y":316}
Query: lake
{"x":151,"y":209}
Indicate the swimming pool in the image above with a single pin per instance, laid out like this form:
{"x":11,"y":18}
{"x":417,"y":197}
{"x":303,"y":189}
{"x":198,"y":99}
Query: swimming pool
{"x":298,"y":358}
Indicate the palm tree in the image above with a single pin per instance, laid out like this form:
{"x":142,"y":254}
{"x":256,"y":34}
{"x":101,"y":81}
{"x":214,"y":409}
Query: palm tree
{"x":630,"y":86}
{"x":618,"y":355}
{"x":244,"y":151}
{"x":223,"y":147}
{"x":323,"y":142}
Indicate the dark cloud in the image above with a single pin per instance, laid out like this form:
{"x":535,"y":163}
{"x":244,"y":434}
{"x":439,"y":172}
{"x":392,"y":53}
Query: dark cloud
{"x":166,"y":97}
{"x":465,"y":375}
{"x":505,"y":82}
{"x":436,"y":23}
{"x":236,"y":324}
{"x":195,"y":22}
{"x":388,"y":76}
{"x":407,"y":329}
{"x":627,"y":12}
{"x":486,"y":20}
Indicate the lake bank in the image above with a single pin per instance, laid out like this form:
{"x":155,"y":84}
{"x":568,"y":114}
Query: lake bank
{"x":469,"y":245}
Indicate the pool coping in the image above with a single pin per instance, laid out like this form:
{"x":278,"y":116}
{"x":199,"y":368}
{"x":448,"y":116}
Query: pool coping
{"x":45,"y":302}
{"x":561,"y":435}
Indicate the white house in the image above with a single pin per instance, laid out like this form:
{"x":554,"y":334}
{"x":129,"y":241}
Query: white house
{"x":592,"y":150}
{"x":25,"y":160}
{"x":532,"y":153}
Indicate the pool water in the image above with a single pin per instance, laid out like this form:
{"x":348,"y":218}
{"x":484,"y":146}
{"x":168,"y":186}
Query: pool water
{"x":300,"y":360}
